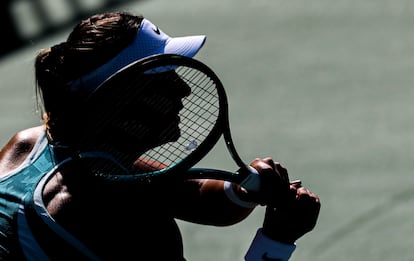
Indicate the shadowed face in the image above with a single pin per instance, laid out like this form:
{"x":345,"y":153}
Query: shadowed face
{"x":142,"y":113}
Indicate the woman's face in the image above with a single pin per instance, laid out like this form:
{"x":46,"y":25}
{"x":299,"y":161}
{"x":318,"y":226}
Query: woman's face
{"x":144,"y":116}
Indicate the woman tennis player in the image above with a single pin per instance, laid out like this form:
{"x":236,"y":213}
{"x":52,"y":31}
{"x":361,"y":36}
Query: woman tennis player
{"x":57,"y":202}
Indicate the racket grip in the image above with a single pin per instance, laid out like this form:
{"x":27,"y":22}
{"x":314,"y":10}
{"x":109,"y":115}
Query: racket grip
{"x":252,"y":181}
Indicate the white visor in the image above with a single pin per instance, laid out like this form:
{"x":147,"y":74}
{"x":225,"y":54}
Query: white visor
{"x":150,"y":40}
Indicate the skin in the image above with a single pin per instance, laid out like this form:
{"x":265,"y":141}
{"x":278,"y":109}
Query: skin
{"x":106,"y":217}
{"x":89,"y":212}
{"x":291,"y":213}
{"x":299,"y":216}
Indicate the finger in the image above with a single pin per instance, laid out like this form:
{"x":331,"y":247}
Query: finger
{"x":282,"y":171}
{"x":275,"y":165}
{"x":304,"y":194}
{"x":269,"y":160}
{"x":261,"y":165}
{"x":279,"y":169}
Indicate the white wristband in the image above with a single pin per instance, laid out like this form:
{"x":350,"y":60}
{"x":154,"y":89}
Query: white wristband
{"x":263,"y":248}
{"x":228,"y":190}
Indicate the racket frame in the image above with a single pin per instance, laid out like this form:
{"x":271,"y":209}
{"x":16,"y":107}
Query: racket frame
{"x":246,"y":176}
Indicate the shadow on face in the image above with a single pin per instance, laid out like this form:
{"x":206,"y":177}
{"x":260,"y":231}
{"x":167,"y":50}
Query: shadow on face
{"x":138,"y":112}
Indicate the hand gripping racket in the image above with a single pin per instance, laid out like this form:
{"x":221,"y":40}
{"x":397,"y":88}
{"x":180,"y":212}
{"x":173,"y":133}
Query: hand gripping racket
{"x":175,"y":110}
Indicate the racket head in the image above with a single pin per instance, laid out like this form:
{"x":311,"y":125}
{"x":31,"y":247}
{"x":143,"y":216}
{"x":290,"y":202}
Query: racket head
{"x":168,"y":109}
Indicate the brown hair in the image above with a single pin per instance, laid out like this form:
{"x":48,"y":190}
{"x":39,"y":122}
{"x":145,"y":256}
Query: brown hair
{"x":91,"y":43}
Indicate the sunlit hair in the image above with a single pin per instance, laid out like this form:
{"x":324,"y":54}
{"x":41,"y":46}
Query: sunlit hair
{"x":91,"y":43}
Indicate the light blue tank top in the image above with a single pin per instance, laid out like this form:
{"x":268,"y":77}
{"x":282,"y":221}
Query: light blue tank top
{"x":21,"y":194}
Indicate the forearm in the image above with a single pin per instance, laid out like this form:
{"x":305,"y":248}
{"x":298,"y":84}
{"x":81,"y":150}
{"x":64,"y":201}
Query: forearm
{"x":226,"y":199}
{"x":215,"y":204}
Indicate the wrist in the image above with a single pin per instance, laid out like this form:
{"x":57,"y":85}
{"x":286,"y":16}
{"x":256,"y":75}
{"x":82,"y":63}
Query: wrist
{"x":235,"y":194}
{"x":264,"y":248}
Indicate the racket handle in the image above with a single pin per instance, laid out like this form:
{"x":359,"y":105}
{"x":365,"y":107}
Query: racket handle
{"x":252,"y":181}
{"x":297,"y":183}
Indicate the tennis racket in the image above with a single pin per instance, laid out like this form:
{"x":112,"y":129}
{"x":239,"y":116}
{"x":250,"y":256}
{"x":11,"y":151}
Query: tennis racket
{"x":175,"y":108}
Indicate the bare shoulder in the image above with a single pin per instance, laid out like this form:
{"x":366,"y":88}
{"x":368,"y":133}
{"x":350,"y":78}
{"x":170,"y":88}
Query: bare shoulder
{"x":18,"y":148}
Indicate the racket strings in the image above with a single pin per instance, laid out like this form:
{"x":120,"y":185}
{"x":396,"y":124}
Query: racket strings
{"x":202,"y":107}
{"x":198,"y":116}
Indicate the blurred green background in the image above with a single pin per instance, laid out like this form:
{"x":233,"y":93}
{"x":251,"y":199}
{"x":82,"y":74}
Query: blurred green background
{"x":323,"y":86}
